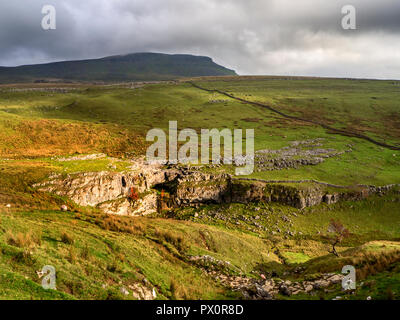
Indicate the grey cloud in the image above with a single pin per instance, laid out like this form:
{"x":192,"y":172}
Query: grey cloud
{"x":254,"y":37}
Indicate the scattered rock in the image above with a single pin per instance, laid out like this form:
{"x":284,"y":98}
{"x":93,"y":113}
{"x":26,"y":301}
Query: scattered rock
{"x":124,"y":291}
{"x":83,"y":157}
{"x":335,"y":279}
{"x":320,"y":284}
{"x":299,"y":153}
{"x":210,"y":263}
{"x":141,"y":292}
{"x":290,"y":233}
{"x":308,"y":288}
{"x":284,"y":289}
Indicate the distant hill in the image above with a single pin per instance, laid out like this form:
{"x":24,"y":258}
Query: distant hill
{"x":130,"y":67}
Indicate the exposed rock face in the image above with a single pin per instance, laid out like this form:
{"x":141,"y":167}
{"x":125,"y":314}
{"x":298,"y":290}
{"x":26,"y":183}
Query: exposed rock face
{"x":122,"y":206}
{"x":201,"y":188}
{"x":290,"y":195}
{"x":91,"y":188}
{"x":111,"y":191}
{"x":204,"y":188}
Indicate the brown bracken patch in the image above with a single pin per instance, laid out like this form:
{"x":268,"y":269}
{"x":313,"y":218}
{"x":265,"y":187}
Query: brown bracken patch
{"x":43,"y":138}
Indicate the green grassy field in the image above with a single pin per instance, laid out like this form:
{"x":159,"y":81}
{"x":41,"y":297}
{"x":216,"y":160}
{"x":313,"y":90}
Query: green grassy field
{"x":95,"y":255}
{"x":367,"y":106}
{"x":101,"y":119}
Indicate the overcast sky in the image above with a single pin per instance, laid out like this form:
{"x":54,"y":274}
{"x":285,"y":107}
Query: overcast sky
{"x":281,"y":37}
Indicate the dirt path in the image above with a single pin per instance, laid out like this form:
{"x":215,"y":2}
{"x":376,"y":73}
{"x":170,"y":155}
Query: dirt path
{"x":332,"y":129}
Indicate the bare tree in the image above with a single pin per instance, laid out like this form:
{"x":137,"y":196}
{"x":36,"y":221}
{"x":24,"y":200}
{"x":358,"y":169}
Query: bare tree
{"x":337,"y":232}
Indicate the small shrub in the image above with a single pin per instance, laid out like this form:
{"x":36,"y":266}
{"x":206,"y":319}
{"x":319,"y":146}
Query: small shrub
{"x":133,"y":194}
{"x":121,"y":257}
{"x":370,"y":284}
{"x":24,"y":257}
{"x":389,"y":294}
{"x":113,"y":294}
{"x":66,"y":238}
{"x":72,"y":287}
{"x":113,"y":266}
{"x":112,"y":245}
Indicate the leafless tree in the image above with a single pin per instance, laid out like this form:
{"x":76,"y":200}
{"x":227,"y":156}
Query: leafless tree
{"x":336,"y":233}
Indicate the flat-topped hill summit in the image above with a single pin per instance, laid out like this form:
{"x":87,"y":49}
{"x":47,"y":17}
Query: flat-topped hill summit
{"x":129,"y":67}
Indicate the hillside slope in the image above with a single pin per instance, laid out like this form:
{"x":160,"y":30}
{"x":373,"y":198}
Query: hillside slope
{"x":208,"y":251}
{"x":136,"y":66}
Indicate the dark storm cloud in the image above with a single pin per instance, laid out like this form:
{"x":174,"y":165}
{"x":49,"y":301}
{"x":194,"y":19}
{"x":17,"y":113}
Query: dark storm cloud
{"x":254,"y":36}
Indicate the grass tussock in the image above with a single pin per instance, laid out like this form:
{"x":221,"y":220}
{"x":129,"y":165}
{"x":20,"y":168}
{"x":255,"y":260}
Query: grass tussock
{"x":178,"y":291}
{"x":66,"y":238}
{"x":72,"y":255}
{"x":374,"y":263}
{"x":85,"y":252}
{"x":175,"y":239}
{"x":114,"y":266}
{"x":369,"y":259}
{"x":120,"y":224}
{"x":23,"y":240}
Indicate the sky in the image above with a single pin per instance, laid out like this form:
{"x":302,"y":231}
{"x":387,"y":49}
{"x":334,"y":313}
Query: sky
{"x":257,"y":37}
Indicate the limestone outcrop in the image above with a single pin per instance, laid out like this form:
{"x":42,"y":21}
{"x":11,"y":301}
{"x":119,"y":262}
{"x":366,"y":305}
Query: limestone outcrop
{"x":146,"y":189}
{"x":192,"y":189}
{"x":112,"y":191}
